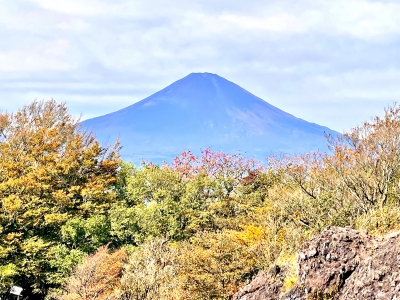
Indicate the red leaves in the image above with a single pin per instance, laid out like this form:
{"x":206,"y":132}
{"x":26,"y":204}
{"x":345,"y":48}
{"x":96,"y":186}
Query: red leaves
{"x":214,"y":164}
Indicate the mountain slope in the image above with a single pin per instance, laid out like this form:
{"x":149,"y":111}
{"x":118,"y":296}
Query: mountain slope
{"x":205,"y":110}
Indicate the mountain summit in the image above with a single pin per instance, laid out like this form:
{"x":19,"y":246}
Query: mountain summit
{"x":205,"y":110}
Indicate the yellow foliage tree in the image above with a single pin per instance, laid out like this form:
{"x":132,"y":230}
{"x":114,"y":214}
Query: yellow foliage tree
{"x":50,"y":171}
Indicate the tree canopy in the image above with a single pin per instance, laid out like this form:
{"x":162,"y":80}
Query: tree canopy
{"x":78,"y":223}
{"x":50,"y":172}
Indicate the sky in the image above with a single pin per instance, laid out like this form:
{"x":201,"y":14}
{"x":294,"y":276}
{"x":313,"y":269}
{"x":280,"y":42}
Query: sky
{"x":332,"y":62}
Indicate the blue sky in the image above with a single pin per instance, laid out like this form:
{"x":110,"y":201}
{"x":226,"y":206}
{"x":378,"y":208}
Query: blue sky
{"x":335,"y":63}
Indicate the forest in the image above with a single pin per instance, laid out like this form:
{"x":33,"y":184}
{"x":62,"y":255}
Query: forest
{"x":77,"y":222}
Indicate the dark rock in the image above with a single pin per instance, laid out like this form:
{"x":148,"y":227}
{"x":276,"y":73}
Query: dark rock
{"x":327,"y":260}
{"x":269,"y":285}
{"x":340,"y":263}
{"x":377,"y":276}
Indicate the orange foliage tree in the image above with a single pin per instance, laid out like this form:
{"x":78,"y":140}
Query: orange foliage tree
{"x":97,"y":277}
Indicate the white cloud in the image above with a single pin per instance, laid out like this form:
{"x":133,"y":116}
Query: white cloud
{"x":103,"y":8}
{"x":358,"y":18}
{"x":364,"y":19}
{"x":74,"y":25}
{"x":381,"y":85}
{"x":51,"y":55}
{"x":77,"y":7}
{"x":276,"y":22}
{"x":84,"y":106}
{"x":287,"y":52}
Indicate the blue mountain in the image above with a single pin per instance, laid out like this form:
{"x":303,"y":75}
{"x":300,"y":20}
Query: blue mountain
{"x":205,"y":110}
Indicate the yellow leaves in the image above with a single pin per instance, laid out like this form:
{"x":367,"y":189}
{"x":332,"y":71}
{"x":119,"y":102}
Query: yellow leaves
{"x":7,"y":272}
{"x":12,"y":237}
{"x":6,"y":250}
{"x":87,"y":207}
{"x":109,"y":165}
{"x":288,"y":260}
{"x":34,"y":246}
{"x":74,"y":189}
{"x":45,"y":153}
{"x":42,"y":173}
{"x":10,"y":184}
{"x":56,"y":218}
{"x":62,"y":198}
{"x":11,"y":204}
{"x":92,"y":191}
{"x":380,"y":221}
{"x":250,"y":235}
{"x":34,"y":216}
{"x":280,"y":237}
{"x":4,"y":122}
{"x":214,"y":264}
{"x":290,"y":280}
{"x":50,"y":171}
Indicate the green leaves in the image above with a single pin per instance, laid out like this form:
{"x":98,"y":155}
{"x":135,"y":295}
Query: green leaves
{"x":86,"y":234}
{"x":7,"y":272}
{"x":62,"y":259}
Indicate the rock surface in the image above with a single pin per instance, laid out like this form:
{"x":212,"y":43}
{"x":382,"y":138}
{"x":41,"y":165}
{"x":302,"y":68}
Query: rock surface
{"x":269,"y":285}
{"x":340,"y":263}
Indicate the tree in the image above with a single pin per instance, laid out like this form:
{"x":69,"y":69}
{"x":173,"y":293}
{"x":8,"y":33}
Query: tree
{"x":227,"y":170}
{"x":51,"y":170}
{"x":151,"y":271}
{"x":176,"y":201}
{"x":367,"y":159}
{"x":213,"y":265}
{"x":97,"y":277}
{"x":361,"y":173}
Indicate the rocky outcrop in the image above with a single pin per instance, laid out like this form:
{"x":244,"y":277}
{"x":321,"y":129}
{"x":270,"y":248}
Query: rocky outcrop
{"x":378,"y":275}
{"x":268,"y":285}
{"x":328,"y":260}
{"x":340,"y":263}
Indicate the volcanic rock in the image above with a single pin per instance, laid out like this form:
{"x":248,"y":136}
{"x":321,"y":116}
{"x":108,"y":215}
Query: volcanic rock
{"x":340,"y":263}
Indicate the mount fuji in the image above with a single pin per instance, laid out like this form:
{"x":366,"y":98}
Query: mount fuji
{"x":204,"y":110}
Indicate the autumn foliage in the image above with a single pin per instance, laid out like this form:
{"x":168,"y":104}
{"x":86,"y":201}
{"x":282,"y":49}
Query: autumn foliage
{"x":77,"y":223}
{"x":97,"y":277}
{"x":50,"y":171}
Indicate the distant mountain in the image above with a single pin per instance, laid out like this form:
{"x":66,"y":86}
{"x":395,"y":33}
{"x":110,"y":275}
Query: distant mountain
{"x":205,"y":110}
